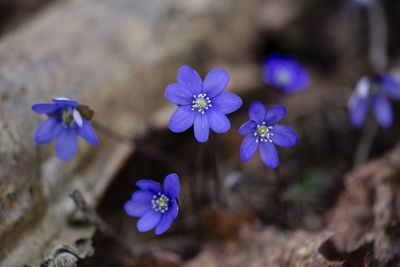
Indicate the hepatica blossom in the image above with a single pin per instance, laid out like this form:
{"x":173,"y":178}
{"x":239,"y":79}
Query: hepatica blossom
{"x":64,"y":123}
{"x":262,"y":131}
{"x":202,"y":104}
{"x":374,"y":94}
{"x":285,"y":74}
{"x":155,"y":205}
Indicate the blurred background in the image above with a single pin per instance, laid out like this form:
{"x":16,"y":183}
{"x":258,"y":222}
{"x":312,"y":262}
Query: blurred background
{"x":333,"y":201}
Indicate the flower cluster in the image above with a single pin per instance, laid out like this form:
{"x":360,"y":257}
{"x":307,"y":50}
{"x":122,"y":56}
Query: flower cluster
{"x":374,"y":94}
{"x":201,"y":104}
{"x":64,"y":123}
{"x":155,"y":205}
{"x":285,"y":74}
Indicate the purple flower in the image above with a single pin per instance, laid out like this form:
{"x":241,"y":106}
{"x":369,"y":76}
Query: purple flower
{"x":64,"y":123}
{"x":155,"y":205}
{"x":263,"y":131}
{"x":374,"y":93}
{"x":285,"y":74}
{"x":202,"y":104}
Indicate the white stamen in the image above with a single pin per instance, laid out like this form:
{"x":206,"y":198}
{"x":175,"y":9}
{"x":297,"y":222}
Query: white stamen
{"x":263,"y":133}
{"x":160,"y":203}
{"x":201,"y":103}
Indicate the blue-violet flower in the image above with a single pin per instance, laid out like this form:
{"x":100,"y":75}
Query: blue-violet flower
{"x":64,"y":123}
{"x":202,"y":104}
{"x":285,"y":74}
{"x":155,"y":205}
{"x":263,"y":131}
{"x":374,"y":93}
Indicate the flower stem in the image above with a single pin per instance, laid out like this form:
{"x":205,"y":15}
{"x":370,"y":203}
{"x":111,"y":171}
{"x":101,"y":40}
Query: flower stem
{"x":198,"y":185}
{"x":112,"y":134}
{"x":219,"y":189}
{"x":377,"y":37}
{"x":364,"y":146}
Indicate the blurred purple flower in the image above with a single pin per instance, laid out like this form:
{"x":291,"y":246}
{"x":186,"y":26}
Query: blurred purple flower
{"x":285,"y":74}
{"x":155,"y":205}
{"x":374,"y":93}
{"x":64,"y":124}
{"x":202,"y":104}
{"x":263,"y":131}
{"x":363,"y":2}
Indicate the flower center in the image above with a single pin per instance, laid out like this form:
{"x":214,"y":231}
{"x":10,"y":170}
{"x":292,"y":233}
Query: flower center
{"x":283,"y":76}
{"x":160,"y":202}
{"x":68,"y":118}
{"x":263,"y":133}
{"x":373,"y":90}
{"x":201,"y":102}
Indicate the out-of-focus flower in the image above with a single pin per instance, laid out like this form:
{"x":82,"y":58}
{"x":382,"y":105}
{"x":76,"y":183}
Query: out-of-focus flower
{"x":363,"y":2}
{"x":285,"y":74}
{"x":374,"y":93}
{"x":155,"y":205}
{"x":263,"y":131}
{"x":202,"y":104}
{"x":64,"y":123}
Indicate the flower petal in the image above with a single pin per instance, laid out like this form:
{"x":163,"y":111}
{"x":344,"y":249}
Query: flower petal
{"x":201,"y":127}
{"x":47,"y":131}
{"x":285,"y":73}
{"x":269,"y":155}
{"x":257,"y":111}
{"x":227,"y":102}
{"x":179,"y":94}
{"x":248,"y":127}
{"x":182,"y":119}
{"x":284,"y":136}
{"x":219,"y":123}
{"x":275,"y":114}
{"x":148,"y":221}
{"x":174,"y":209}
{"x":171,"y":185}
{"x":88,"y":133}
{"x":301,"y":80}
{"x":45,"y":108}
{"x":215,"y":82}
{"x":248,"y":147}
{"x":391,"y":85}
{"x":363,"y":87}
{"x":190,"y":78}
{"x":77,"y":118}
{"x":142,"y":197}
{"x":165,"y":223}
{"x":65,"y":102}
{"x":136,"y":209}
{"x":149,"y":185}
{"x":358,"y":109}
{"x":66,"y":144}
{"x":383,"y":111}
